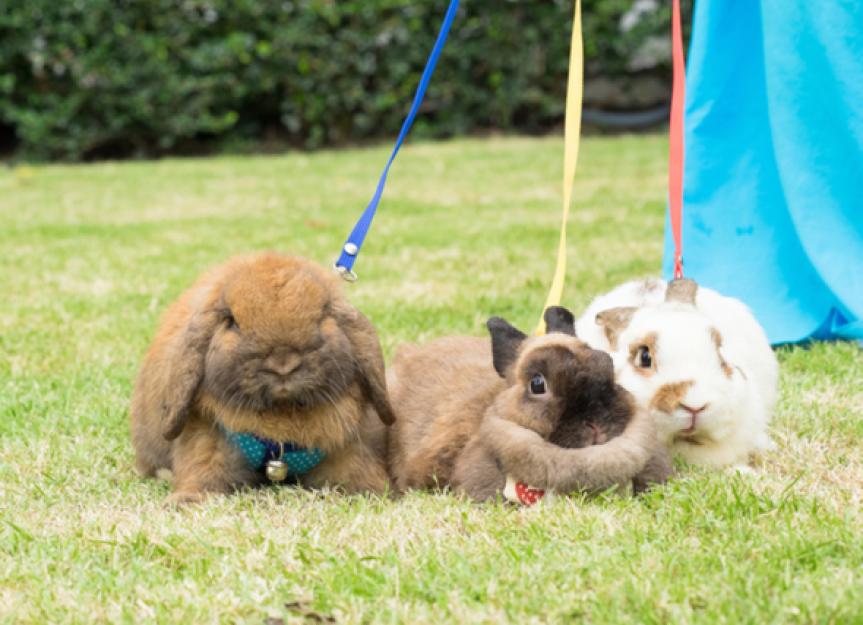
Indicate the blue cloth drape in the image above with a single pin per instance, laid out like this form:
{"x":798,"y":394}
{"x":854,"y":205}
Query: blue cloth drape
{"x":773,"y":180}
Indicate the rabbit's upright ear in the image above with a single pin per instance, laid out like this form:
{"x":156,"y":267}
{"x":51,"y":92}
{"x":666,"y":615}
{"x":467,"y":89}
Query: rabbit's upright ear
{"x":369,"y":357}
{"x":559,"y":319}
{"x":186,"y":369}
{"x":682,"y":290}
{"x":505,"y":341}
{"x":614,"y":321}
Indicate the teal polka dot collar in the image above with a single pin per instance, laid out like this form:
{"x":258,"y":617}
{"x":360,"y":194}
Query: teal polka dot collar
{"x":261,"y":452}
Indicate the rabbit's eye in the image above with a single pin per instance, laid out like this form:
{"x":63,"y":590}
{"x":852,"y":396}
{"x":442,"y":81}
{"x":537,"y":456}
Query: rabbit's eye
{"x":643,"y":358}
{"x":537,"y":385}
{"x":232,"y":324}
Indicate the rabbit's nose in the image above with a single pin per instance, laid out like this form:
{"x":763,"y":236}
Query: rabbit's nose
{"x":283,"y":364}
{"x":693,"y":411}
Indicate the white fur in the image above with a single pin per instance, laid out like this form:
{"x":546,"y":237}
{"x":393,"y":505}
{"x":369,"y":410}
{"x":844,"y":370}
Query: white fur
{"x":734,"y":424}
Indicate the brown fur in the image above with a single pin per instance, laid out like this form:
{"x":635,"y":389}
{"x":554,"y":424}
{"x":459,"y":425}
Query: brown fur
{"x":717,"y":340}
{"x":264,"y":344}
{"x":461,"y":424}
{"x":681,"y":290}
{"x":614,"y":321}
{"x":669,"y":396}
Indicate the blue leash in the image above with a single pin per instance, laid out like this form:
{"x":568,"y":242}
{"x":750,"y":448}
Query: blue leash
{"x":345,"y":263}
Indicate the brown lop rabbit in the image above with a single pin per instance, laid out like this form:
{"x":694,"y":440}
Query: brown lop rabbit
{"x":260,"y":355}
{"x":545,"y":410}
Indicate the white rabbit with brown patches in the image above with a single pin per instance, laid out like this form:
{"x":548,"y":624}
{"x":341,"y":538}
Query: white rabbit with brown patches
{"x":699,"y":361}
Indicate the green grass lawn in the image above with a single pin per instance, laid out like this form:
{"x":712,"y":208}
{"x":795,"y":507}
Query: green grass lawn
{"x":93,"y":254}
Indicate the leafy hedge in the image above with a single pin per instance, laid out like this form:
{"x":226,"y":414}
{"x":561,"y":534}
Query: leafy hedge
{"x":93,"y":78}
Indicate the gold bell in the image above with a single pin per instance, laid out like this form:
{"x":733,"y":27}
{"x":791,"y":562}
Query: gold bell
{"x":277,"y":470}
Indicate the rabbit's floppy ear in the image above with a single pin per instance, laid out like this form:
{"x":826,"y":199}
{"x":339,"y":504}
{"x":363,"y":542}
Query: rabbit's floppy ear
{"x":369,"y":357}
{"x":505,"y":341}
{"x":559,"y":319}
{"x":186,"y":369}
{"x":614,"y":321}
{"x":682,"y":290}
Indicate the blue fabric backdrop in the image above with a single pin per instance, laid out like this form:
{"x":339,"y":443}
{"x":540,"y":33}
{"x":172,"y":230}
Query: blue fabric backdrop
{"x":773,"y":181}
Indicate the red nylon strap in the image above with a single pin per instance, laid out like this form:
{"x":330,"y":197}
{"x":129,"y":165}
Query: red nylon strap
{"x":675,"y":150}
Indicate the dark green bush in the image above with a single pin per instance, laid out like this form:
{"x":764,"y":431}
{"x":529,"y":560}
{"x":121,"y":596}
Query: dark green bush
{"x":92,"y":78}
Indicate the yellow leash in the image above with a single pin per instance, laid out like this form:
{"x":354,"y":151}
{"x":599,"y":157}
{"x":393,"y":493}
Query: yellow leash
{"x":572,"y":134}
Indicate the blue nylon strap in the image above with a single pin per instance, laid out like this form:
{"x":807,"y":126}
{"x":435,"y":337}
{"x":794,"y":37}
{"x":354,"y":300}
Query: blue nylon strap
{"x":351,"y":248}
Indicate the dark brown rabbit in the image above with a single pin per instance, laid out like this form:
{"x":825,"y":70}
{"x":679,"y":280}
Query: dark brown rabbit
{"x":263,"y":346}
{"x":544,"y":409}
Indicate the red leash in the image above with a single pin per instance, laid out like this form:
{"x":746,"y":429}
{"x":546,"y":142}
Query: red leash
{"x":675,"y":150}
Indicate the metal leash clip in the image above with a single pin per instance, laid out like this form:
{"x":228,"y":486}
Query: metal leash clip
{"x":347,"y":274}
{"x":351,"y":249}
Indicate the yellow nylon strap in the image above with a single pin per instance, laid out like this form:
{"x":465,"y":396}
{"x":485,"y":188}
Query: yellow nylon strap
{"x":572,"y":134}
